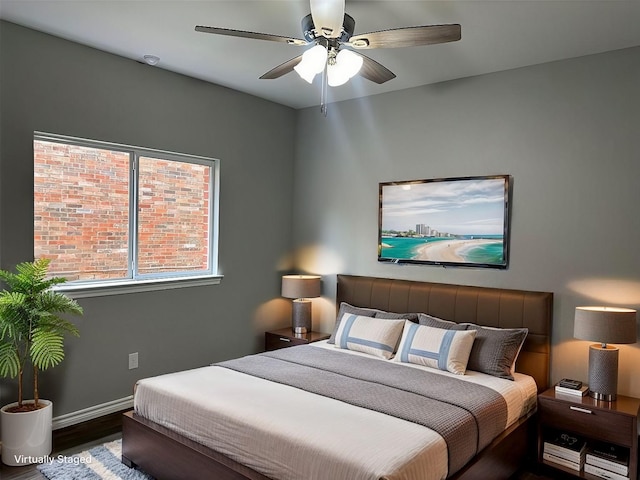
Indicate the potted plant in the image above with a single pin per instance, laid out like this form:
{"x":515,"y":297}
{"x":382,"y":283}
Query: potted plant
{"x":31,"y":335}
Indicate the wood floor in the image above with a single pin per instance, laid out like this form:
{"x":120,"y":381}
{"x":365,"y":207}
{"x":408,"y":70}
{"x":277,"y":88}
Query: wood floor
{"x":77,"y":438}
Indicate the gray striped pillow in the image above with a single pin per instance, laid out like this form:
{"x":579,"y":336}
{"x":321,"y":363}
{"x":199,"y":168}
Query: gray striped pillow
{"x":429,"y":321}
{"x":495,"y":350}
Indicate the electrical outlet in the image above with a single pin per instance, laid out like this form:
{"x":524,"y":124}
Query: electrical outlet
{"x":133,"y":360}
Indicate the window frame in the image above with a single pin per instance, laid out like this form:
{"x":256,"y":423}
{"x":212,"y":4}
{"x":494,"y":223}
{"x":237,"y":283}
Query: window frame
{"x":150,"y":281}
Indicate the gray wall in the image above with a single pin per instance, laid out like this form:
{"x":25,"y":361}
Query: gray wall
{"x":569,"y":134}
{"x":56,"y":86}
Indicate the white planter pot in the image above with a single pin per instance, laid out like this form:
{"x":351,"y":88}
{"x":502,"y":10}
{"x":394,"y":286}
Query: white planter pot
{"x":26,"y":436}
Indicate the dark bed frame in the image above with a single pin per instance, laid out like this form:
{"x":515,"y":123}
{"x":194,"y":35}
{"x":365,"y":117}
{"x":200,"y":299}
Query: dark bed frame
{"x":167,"y":455}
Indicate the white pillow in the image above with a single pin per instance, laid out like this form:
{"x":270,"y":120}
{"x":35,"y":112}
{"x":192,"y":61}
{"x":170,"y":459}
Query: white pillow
{"x":436,"y":347}
{"x":370,"y":335}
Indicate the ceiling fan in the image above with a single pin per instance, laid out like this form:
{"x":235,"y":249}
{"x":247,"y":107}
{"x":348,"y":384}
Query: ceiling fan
{"x":329,"y":30}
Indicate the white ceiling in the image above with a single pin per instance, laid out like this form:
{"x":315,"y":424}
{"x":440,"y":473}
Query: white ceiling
{"x":496,"y":35}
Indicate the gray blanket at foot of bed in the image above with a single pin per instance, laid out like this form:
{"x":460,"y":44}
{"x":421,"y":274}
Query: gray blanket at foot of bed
{"x":466,"y":415}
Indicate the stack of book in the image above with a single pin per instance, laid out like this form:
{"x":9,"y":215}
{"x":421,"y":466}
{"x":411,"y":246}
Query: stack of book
{"x":571,"y":387}
{"x":607,"y":461}
{"x":566,"y":449}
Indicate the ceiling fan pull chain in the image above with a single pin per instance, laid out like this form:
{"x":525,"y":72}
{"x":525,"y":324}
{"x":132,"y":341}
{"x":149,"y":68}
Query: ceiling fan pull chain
{"x":325,"y":88}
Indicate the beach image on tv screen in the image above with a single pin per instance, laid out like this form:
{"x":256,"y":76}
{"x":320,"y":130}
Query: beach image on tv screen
{"x":444,"y":221}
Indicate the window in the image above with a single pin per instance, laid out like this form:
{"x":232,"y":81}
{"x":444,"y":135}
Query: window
{"x":110,"y":216}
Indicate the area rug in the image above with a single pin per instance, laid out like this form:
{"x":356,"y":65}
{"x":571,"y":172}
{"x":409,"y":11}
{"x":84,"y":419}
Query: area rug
{"x":99,"y":463}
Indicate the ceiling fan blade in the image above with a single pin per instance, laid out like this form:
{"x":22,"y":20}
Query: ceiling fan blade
{"x":407,"y":37}
{"x":374,"y":71}
{"x":328,"y":16}
{"x":282,"y":69}
{"x":258,"y":36}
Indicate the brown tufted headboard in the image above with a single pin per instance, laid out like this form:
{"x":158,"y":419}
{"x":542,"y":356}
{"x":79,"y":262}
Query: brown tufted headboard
{"x":493,"y":307}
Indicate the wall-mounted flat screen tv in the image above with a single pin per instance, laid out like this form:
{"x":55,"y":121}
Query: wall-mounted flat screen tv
{"x":448,"y":221}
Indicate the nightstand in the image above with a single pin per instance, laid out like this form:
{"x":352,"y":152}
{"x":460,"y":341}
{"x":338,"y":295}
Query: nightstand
{"x":612,"y":422}
{"x":286,"y":338}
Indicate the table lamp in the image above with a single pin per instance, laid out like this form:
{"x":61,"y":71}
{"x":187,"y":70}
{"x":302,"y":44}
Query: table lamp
{"x":604,"y":325}
{"x":301,"y":288}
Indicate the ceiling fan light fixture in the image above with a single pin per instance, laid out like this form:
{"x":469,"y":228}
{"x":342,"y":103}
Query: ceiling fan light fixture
{"x":351,"y":62}
{"x":346,"y":65}
{"x":306,"y":75}
{"x":312,"y":63}
{"x":336,"y":76}
{"x":328,"y":16}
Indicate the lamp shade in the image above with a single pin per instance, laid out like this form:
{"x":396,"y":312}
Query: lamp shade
{"x":300,"y":286}
{"x":605,"y":325}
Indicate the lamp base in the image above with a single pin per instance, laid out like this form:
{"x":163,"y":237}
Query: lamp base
{"x":301,"y":315}
{"x":603,"y":397}
{"x":603,"y":372}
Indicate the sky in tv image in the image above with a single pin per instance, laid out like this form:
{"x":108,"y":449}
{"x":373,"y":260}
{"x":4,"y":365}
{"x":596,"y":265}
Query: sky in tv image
{"x":455,"y":221}
{"x":461,"y":207}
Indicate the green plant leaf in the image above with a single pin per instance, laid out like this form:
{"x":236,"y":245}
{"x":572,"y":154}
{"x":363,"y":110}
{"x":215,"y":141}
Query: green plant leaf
{"x":47,"y":348}
{"x":9,"y":360}
{"x":51,"y":301}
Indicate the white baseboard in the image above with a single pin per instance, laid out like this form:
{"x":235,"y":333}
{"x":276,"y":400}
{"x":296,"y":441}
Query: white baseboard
{"x":90,"y":413}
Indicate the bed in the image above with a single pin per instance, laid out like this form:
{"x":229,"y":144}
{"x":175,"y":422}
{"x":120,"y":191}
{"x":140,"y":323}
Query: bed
{"x":168,"y":449}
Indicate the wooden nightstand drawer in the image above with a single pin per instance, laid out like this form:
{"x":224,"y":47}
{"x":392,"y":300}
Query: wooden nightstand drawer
{"x":273,"y":341}
{"x":587,"y":420}
{"x":286,"y":338}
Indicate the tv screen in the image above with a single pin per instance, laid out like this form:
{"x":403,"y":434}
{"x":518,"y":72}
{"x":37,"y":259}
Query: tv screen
{"x":449,"y":221}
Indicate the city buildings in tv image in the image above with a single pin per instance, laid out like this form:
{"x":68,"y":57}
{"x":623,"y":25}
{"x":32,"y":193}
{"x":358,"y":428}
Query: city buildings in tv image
{"x":449,"y":221}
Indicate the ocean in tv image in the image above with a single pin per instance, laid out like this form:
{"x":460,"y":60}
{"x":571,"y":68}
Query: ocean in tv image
{"x":486,"y":249}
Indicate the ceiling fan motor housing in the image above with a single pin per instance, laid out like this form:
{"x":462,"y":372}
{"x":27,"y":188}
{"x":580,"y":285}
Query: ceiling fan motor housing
{"x":310,"y":35}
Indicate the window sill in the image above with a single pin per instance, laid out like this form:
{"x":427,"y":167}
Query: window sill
{"x":101,"y":289}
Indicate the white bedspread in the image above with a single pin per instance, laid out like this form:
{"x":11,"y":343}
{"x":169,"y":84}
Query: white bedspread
{"x":289,"y":434}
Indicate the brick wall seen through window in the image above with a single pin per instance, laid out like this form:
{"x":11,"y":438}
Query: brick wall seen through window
{"x":82,"y":212}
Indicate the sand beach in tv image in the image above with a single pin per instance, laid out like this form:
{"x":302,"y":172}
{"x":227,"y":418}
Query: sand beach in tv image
{"x":456,"y":250}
